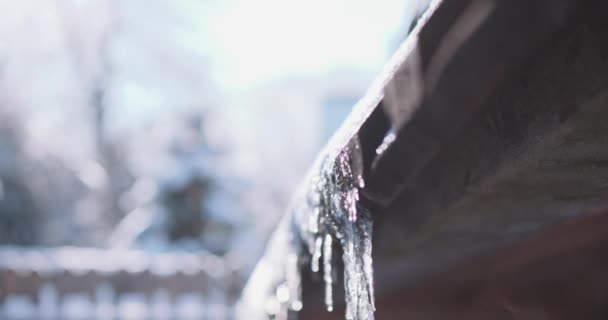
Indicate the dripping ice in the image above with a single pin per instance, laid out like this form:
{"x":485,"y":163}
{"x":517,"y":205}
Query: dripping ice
{"x":325,"y":214}
{"x":331,"y":214}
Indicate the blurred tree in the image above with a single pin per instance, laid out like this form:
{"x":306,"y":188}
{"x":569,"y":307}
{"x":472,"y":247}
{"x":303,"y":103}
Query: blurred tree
{"x":104,"y":63}
{"x":91,"y":58}
{"x":18,"y":214}
{"x":188,"y":192}
{"x":187,"y":218}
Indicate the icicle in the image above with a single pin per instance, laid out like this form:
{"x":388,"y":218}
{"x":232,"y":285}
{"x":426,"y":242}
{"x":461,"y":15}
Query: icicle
{"x":313,"y":222}
{"x":316,"y":254}
{"x":368,"y":269}
{"x":331,"y":211}
{"x":356,"y":231}
{"x":282,"y":293}
{"x":351,"y":274}
{"x":294,"y":282}
{"x":386,"y":142}
{"x":327,"y":272}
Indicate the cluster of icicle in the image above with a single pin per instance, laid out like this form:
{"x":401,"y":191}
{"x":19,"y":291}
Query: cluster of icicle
{"x":330,"y":212}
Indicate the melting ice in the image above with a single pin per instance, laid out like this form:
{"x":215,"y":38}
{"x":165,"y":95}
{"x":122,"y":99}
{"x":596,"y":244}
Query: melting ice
{"x":332,"y":213}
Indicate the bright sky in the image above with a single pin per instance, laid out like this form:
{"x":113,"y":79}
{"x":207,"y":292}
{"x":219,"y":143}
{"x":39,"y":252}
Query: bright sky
{"x":253,"y":41}
{"x":240,"y":44}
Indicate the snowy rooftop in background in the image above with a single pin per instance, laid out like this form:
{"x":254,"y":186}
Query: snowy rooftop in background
{"x":81,"y":260}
